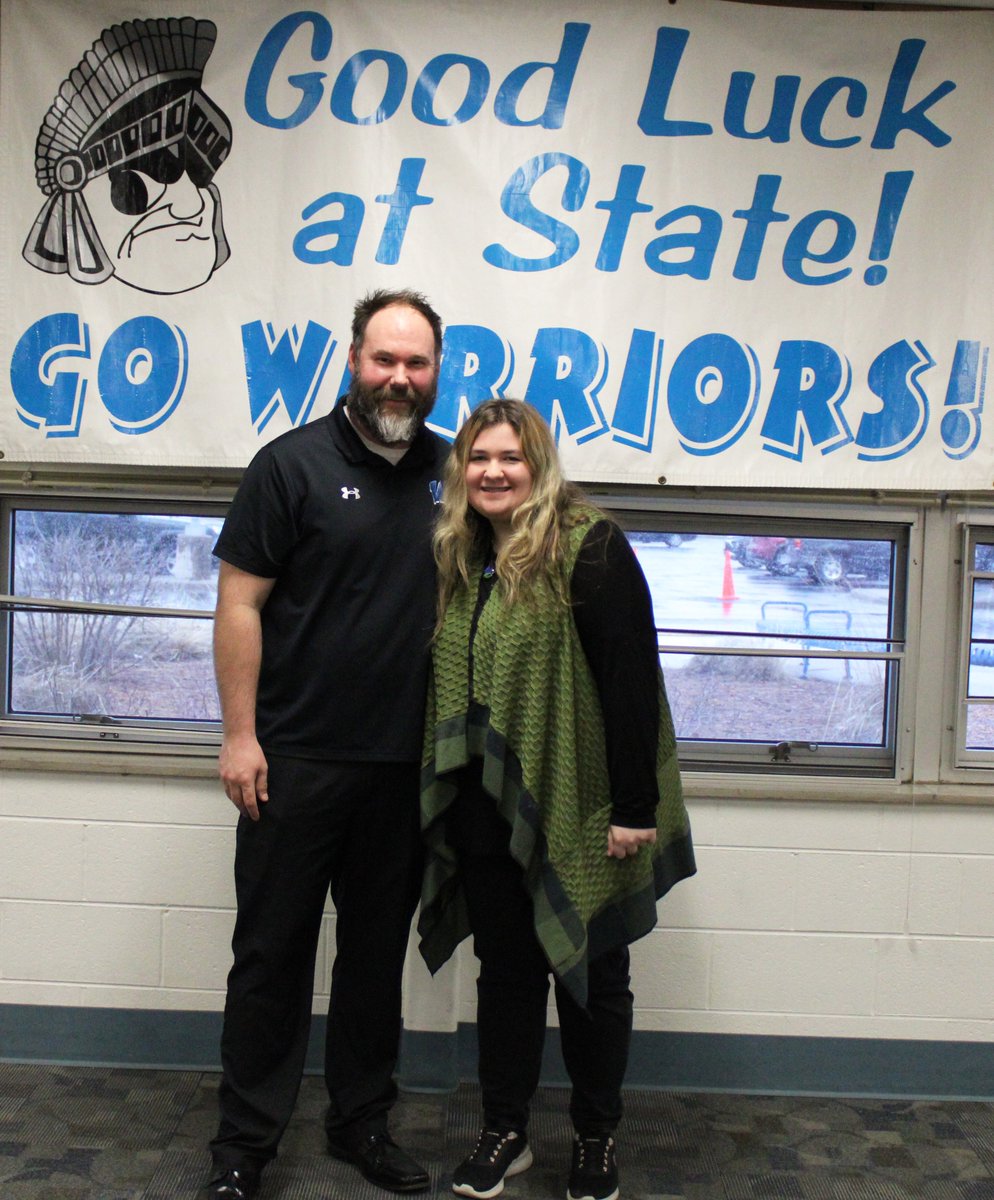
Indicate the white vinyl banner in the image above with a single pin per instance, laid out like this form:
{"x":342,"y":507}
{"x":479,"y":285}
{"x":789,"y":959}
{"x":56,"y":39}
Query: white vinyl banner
{"x":713,"y":243}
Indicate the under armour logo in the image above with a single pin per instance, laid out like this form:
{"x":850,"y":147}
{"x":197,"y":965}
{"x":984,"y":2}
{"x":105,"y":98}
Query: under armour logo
{"x":347,"y":492}
{"x":435,"y":487}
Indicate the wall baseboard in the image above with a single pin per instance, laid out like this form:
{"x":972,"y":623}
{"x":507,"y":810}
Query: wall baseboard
{"x":438,"y":1061}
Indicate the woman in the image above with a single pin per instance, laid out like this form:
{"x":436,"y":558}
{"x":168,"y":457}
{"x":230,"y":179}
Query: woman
{"x":551,"y":799}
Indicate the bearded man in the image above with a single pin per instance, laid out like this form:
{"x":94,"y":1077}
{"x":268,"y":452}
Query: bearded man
{"x":326,"y":602}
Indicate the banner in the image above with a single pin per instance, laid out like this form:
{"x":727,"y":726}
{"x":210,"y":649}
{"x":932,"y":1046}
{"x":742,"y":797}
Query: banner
{"x":714,"y":244}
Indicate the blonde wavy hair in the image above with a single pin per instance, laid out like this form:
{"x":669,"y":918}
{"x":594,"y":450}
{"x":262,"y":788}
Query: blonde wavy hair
{"x":534,"y":549}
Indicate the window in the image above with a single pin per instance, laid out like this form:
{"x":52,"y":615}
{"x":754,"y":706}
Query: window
{"x":107,"y":623}
{"x":812,"y":645}
{"x":975,"y":724}
{"x":781,"y":640}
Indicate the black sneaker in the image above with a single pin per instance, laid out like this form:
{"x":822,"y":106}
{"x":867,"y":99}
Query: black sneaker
{"x":497,"y":1154}
{"x":594,"y":1172}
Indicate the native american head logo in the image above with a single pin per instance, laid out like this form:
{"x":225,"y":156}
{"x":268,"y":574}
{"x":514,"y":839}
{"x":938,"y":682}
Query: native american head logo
{"x":127,"y":156}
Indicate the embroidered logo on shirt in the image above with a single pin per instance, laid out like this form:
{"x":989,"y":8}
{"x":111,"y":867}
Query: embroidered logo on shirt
{"x":435,"y":487}
{"x":350,"y":493}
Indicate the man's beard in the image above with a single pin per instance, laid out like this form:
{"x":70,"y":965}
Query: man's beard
{"x":390,"y":428}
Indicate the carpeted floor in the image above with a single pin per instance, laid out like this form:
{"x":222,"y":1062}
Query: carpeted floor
{"x":81,"y":1133}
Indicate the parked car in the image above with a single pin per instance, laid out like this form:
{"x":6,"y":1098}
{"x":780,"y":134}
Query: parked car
{"x":677,"y":539}
{"x":831,"y":562}
{"x":655,"y":538}
{"x":841,"y":562}
{"x":769,"y":553}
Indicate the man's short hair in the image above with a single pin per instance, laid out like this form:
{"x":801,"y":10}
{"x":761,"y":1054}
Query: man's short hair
{"x":382,"y":298}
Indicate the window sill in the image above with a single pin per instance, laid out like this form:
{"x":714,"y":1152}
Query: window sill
{"x":199,"y":763}
{"x":832,"y":790}
{"x":202,"y":764}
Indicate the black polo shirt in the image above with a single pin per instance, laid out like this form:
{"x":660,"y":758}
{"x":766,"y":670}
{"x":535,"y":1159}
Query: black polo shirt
{"x":346,"y":629}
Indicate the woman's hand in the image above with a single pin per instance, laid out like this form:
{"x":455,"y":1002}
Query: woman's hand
{"x":624,"y":843}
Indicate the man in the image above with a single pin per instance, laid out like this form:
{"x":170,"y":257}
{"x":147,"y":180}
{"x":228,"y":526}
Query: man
{"x":325,"y":610}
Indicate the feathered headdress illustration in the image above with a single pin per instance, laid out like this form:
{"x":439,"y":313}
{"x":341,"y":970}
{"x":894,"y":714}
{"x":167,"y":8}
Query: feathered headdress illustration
{"x":136,"y":91}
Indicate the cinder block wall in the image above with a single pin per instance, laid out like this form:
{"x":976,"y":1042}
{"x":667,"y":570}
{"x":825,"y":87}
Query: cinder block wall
{"x":829,"y":920}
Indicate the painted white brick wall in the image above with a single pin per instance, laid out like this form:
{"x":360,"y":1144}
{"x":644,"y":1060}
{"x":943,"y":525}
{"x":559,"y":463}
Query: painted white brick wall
{"x":196,"y":948}
{"x":787,"y":973}
{"x":158,"y":865}
{"x":825,"y":919}
{"x":81,"y":943}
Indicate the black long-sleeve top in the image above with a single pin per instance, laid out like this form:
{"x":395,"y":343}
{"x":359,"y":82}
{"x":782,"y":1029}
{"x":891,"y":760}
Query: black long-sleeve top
{"x":612,"y":609}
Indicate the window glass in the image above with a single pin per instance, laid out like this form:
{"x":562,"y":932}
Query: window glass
{"x":979,"y":734}
{"x":778,"y":636}
{"x":149,"y":665}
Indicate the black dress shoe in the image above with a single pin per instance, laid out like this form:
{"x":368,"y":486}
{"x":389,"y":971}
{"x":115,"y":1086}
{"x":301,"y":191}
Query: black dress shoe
{"x":383,"y":1162}
{"x":234,"y":1183}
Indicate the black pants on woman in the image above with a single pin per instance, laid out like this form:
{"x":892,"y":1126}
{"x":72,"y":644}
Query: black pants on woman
{"x":512,"y":993}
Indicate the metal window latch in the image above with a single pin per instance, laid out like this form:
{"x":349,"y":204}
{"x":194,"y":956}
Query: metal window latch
{"x":100,"y":719}
{"x":780,"y":753}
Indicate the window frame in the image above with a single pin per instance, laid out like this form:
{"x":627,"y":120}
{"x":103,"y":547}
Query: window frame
{"x":816,"y":519}
{"x":38,"y":736}
{"x":972,"y":529}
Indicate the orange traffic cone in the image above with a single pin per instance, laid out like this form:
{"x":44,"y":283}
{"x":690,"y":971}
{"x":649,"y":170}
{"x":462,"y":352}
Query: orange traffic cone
{"x":727,"y":586}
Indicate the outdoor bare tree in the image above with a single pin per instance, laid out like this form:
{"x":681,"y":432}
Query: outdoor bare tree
{"x":76,"y":662}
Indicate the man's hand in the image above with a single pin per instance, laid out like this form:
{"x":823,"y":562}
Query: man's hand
{"x":624,"y":843}
{"x":245,"y":774}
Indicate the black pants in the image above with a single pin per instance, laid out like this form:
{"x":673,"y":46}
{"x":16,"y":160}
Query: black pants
{"x":512,"y":993}
{"x":352,"y":827}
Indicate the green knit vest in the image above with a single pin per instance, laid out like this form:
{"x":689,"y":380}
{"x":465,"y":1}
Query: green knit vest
{"x":536,"y":722}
